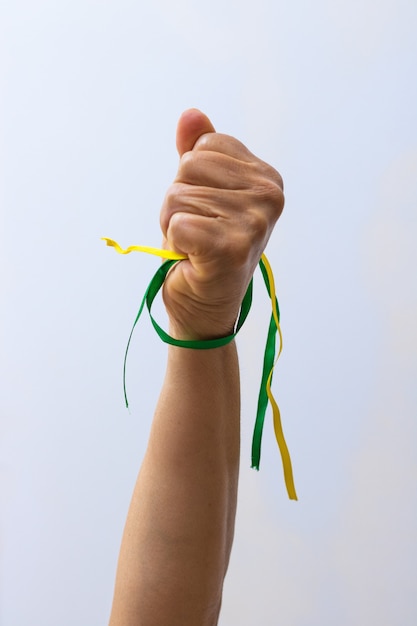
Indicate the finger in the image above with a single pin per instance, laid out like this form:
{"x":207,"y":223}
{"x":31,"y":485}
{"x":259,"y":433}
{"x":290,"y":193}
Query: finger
{"x":198,"y":236}
{"x":225,"y":144}
{"x":192,"y":125}
{"x":217,"y":170}
{"x":216,"y":247}
{"x":182,"y":198}
{"x":233,"y":148}
{"x":265,"y":200}
{"x":218,"y":203}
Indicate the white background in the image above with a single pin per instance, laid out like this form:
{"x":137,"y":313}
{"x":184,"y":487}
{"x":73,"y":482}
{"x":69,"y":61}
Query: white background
{"x":326,"y":92}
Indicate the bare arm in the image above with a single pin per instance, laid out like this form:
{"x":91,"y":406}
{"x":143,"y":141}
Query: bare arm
{"x":179,"y":529}
{"x":175,"y":550}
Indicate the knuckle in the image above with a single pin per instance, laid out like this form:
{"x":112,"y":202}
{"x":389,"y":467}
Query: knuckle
{"x":236,"y":253}
{"x":276,"y":176}
{"x":190,"y":167}
{"x":170,"y":204}
{"x":269,"y":192}
{"x":271,"y":174}
{"x":258,"y":226}
{"x":177,"y":223}
{"x":186,"y":166}
{"x":204,"y":142}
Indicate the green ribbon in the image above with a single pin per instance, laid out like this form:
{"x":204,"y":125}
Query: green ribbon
{"x":151,"y":292}
{"x":206,"y":344}
{"x":268,"y":366}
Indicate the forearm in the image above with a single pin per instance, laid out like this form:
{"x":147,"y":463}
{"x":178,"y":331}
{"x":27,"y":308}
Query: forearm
{"x":218,"y":213}
{"x":175,"y":550}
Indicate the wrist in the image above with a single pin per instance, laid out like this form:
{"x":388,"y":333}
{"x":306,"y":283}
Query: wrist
{"x":200,"y":329}
{"x":213,"y":323}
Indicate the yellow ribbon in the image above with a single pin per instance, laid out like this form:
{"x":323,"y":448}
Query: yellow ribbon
{"x":279,"y":434}
{"x":164,"y":254}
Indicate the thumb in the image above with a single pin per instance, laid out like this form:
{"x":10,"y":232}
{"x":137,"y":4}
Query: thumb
{"x":191,"y":125}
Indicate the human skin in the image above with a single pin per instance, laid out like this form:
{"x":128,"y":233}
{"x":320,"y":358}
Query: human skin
{"x":219,"y":211}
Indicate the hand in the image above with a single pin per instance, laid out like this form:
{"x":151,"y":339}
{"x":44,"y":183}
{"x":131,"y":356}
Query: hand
{"x":220,"y":211}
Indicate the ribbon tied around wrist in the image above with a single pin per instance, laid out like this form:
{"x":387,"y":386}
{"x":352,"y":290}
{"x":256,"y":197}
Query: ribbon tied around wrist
{"x":270,"y":356}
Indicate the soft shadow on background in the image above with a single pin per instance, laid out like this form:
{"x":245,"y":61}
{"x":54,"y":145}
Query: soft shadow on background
{"x":90,"y":94}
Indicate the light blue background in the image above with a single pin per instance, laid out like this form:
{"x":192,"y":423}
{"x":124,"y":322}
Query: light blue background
{"x":90,"y":95}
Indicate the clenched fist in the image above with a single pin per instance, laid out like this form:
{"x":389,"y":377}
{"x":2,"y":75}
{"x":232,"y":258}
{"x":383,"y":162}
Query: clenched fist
{"x":220,"y":212}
